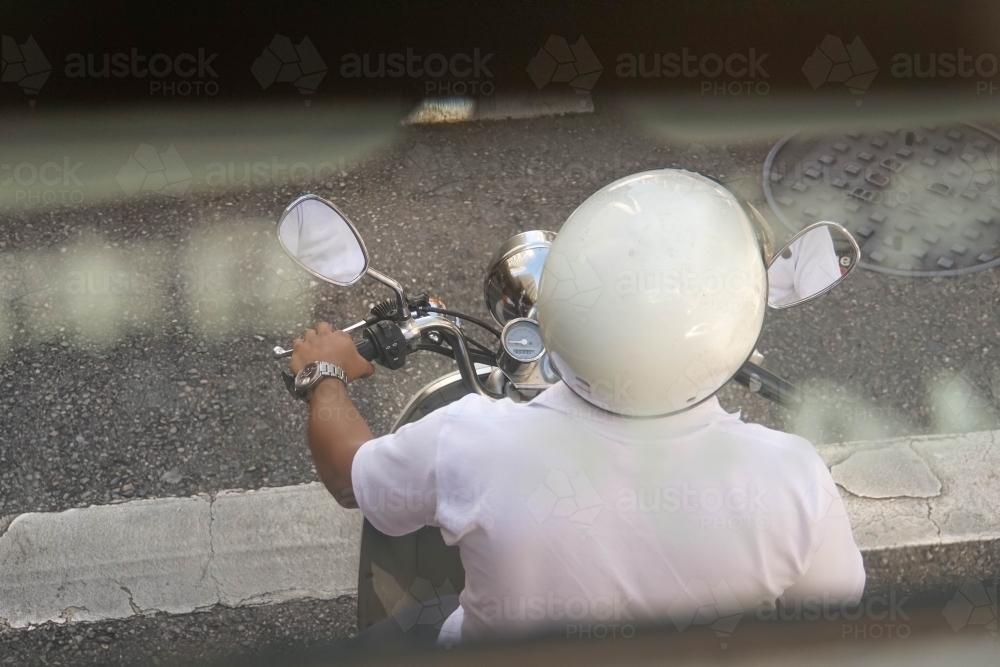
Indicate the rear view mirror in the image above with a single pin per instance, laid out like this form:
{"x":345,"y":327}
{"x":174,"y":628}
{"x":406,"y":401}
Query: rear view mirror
{"x":812,"y":263}
{"x":320,"y":239}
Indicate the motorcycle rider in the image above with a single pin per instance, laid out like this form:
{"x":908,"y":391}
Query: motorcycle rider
{"x":624,"y":492}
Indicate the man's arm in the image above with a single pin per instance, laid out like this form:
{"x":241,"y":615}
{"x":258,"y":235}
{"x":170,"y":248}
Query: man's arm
{"x":336,"y":428}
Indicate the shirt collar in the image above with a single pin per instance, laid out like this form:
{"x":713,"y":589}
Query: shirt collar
{"x":561,"y":398}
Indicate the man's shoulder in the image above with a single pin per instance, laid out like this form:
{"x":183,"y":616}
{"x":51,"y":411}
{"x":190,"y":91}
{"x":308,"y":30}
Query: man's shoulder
{"x":790,"y":449}
{"x":765,"y":435}
{"x":475,"y":406}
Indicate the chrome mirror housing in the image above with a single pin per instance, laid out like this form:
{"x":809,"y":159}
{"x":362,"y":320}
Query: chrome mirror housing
{"x":321,"y":240}
{"x":810,"y":264}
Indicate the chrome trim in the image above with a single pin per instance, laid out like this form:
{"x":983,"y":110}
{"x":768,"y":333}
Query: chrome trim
{"x":534,"y":377}
{"x":281,"y":353}
{"x":505,"y":279}
{"x":455,"y":337}
{"x":763,"y":231}
{"x":430,"y":388}
{"x":503,"y":340}
{"x":857,"y":260}
{"x":354,"y":230}
{"x":404,"y":309}
{"x":356,"y":325}
{"x":369,"y":271}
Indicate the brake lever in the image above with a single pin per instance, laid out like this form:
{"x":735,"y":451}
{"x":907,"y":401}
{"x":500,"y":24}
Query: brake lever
{"x":281,"y":353}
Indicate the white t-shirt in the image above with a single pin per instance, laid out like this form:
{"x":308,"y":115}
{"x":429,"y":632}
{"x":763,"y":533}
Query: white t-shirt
{"x":564,"y":514}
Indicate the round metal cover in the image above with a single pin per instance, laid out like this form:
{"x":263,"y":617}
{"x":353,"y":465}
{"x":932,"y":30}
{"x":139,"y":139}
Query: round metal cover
{"x":920,"y":202}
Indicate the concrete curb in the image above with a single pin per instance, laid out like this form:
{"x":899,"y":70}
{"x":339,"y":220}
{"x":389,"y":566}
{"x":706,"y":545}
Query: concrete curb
{"x":178,"y":555}
{"x":922,"y":490}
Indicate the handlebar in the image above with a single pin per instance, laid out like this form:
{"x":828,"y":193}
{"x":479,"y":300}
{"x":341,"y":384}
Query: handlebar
{"x":769,"y":385}
{"x":750,"y":375}
{"x":366,"y":349}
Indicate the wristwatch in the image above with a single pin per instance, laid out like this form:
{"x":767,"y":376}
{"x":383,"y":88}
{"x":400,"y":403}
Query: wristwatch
{"x":312,"y":374}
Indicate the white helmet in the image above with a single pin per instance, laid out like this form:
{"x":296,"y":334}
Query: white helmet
{"x":653,"y":293}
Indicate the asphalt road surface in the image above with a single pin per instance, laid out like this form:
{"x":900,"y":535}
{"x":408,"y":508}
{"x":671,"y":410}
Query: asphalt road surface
{"x":135,"y":334}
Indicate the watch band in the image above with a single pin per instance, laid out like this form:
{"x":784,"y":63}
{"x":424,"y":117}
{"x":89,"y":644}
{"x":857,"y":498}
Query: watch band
{"x":324,"y":369}
{"x":328,"y":370}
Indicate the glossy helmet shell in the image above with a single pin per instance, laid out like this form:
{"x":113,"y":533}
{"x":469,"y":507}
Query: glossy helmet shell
{"x":653,"y":293}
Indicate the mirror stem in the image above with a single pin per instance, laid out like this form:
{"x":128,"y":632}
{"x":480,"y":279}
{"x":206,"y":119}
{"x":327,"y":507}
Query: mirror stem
{"x":395,"y":287}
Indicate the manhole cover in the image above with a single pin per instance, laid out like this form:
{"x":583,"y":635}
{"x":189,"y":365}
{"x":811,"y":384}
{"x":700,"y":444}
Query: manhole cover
{"x":920,"y":202}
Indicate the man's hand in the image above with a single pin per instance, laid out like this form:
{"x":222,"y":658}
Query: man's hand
{"x":335,"y":347}
{"x":336,"y":428}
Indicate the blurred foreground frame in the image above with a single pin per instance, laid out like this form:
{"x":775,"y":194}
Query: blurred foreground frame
{"x":930,"y":628}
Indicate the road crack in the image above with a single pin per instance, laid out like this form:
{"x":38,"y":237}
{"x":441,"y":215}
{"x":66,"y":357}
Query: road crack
{"x":207,"y":572}
{"x":131,"y":601}
{"x":930,"y":518}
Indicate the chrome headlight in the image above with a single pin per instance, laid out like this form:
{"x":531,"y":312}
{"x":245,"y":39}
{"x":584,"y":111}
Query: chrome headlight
{"x":514,"y":273}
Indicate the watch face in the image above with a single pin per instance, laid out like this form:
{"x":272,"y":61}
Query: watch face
{"x":306,"y":375}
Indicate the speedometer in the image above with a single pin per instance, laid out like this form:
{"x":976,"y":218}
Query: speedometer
{"x":522,"y":339}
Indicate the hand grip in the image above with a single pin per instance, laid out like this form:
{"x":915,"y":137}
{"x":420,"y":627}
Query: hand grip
{"x":366,"y":349}
{"x":769,"y":386}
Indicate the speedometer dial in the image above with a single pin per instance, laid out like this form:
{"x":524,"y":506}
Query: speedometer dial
{"x":522,"y":339}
